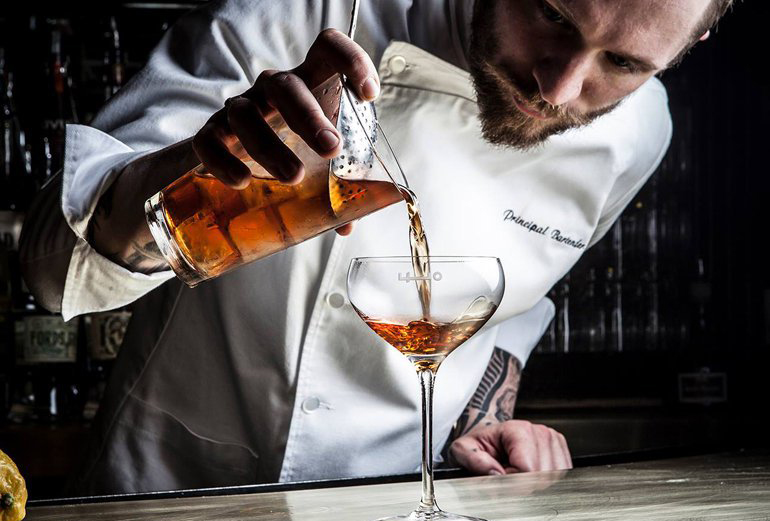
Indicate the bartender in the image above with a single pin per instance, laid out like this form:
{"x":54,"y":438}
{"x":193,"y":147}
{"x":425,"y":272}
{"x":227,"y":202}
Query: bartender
{"x":524,"y":126}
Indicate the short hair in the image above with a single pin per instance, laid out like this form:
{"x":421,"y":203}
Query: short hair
{"x":715,"y":10}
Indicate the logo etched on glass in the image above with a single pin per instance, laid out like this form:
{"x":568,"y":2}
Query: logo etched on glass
{"x":407,"y":277}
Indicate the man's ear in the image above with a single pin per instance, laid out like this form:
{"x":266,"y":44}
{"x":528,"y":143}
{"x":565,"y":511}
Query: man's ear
{"x":705,"y":36}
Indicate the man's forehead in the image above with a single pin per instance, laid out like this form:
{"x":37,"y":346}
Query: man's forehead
{"x":647,"y":28}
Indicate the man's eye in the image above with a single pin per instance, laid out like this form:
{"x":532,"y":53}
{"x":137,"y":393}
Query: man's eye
{"x":619,"y":61}
{"x":552,"y":14}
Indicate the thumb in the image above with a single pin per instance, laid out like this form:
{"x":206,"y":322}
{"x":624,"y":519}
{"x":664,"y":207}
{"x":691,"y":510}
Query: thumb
{"x":473,"y":457}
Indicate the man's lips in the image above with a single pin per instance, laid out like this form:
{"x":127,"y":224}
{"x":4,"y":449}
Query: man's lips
{"x":528,"y":111}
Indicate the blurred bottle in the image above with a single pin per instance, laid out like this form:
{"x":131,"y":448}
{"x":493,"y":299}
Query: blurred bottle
{"x":47,"y":355}
{"x":700,"y":323}
{"x":614,"y":306}
{"x":6,"y":327}
{"x":562,"y":318}
{"x":17,"y":185}
{"x":588,"y":314}
{"x":59,"y":108}
{"x":10,"y":228}
{"x":113,"y":72}
{"x":16,"y":191}
{"x":104,"y":336}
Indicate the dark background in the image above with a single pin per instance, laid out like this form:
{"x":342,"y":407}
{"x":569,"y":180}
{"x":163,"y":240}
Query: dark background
{"x":684,"y":272}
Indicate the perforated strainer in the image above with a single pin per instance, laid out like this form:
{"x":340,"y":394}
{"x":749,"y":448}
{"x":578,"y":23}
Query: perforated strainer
{"x":357,"y":125}
{"x":359,"y":130}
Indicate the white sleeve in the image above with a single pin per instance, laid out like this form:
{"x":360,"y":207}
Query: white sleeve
{"x":93,"y":283}
{"x":649,"y":147}
{"x":519,"y":335}
{"x":212,"y":53}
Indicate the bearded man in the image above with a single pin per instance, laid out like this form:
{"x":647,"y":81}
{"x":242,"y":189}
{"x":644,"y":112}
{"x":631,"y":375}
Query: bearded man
{"x":524,"y":126}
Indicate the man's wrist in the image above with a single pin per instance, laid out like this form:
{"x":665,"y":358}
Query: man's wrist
{"x":495,"y":397}
{"x":118,"y":229}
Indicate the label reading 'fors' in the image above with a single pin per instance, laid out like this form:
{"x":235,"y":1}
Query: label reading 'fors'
{"x":48,"y":339}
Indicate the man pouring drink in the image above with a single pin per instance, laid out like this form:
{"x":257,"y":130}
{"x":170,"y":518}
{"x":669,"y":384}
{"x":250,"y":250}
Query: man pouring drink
{"x":543,"y":109}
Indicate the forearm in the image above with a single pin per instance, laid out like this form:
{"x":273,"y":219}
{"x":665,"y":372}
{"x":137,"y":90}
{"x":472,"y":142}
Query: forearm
{"x":45,"y":246}
{"x":118,"y":229}
{"x":495,"y":397}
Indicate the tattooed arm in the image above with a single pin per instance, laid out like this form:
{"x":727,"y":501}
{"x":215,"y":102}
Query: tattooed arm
{"x":495,"y":397}
{"x":487,"y":440}
{"x":118,"y":229}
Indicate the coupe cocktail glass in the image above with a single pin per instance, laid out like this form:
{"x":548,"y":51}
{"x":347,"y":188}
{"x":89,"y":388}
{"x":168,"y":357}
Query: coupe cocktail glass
{"x":464,"y":294}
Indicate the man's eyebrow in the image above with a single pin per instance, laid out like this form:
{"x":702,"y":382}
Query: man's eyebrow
{"x":641,"y":64}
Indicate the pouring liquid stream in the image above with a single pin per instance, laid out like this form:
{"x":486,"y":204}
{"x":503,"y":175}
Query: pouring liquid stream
{"x":418,"y":243}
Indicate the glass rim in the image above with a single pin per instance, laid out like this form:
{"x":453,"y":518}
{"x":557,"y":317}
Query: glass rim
{"x":437,"y":258}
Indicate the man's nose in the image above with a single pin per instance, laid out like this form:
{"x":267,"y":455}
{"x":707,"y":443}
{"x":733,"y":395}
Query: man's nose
{"x":561,"y":80}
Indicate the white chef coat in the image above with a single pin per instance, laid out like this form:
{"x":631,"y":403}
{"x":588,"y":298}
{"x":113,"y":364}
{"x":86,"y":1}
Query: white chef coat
{"x":266,"y":373}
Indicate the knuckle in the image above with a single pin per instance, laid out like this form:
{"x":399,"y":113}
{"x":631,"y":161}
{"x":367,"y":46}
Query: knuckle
{"x":265,"y":75}
{"x":236,"y":102}
{"x":518,"y":430}
{"x":328,"y":35}
{"x":459,"y":443}
{"x":234,"y":110}
{"x":280,"y":83}
{"x":282,"y":79}
{"x":359,"y":65}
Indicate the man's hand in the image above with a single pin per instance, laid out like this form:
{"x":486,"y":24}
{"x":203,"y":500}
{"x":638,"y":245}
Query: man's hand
{"x":244,"y":118}
{"x":511,"y":446}
{"x":119,"y":229}
{"x":288,"y":92}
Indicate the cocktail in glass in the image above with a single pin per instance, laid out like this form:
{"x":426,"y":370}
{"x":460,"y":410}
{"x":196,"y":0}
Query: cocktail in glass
{"x":464,"y":293}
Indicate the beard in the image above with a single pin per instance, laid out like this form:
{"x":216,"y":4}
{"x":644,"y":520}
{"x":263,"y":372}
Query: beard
{"x":501,"y":122}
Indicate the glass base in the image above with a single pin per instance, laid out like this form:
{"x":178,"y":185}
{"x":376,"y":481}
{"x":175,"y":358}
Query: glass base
{"x":156,"y":220}
{"x":430,"y":515}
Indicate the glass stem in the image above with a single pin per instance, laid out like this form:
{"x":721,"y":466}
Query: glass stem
{"x":428,"y":500}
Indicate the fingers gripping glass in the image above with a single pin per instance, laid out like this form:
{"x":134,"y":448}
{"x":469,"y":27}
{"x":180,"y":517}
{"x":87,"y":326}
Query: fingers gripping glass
{"x":464,"y":294}
{"x":203,"y":228}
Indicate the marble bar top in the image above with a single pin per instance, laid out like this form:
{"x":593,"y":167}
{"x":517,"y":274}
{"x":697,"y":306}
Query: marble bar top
{"x":727,"y":486}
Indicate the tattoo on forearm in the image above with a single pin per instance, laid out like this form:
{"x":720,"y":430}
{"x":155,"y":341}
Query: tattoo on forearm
{"x":505,"y":404}
{"x":495,"y":396}
{"x":145,"y":257}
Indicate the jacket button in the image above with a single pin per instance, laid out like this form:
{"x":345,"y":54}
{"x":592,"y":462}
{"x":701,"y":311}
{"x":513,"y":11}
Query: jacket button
{"x":397,"y":64}
{"x":335,"y":300}
{"x":310,"y":404}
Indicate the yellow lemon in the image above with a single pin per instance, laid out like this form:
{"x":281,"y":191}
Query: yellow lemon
{"x":13,"y":490}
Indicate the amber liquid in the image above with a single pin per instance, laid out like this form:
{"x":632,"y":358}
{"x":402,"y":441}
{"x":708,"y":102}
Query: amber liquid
{"x":217,"y":227}
{"x":427,"y":344}
{"x":418,"y":243}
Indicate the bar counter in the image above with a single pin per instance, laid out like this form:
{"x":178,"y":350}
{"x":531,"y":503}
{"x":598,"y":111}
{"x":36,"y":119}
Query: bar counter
{"x":715,"y":487}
